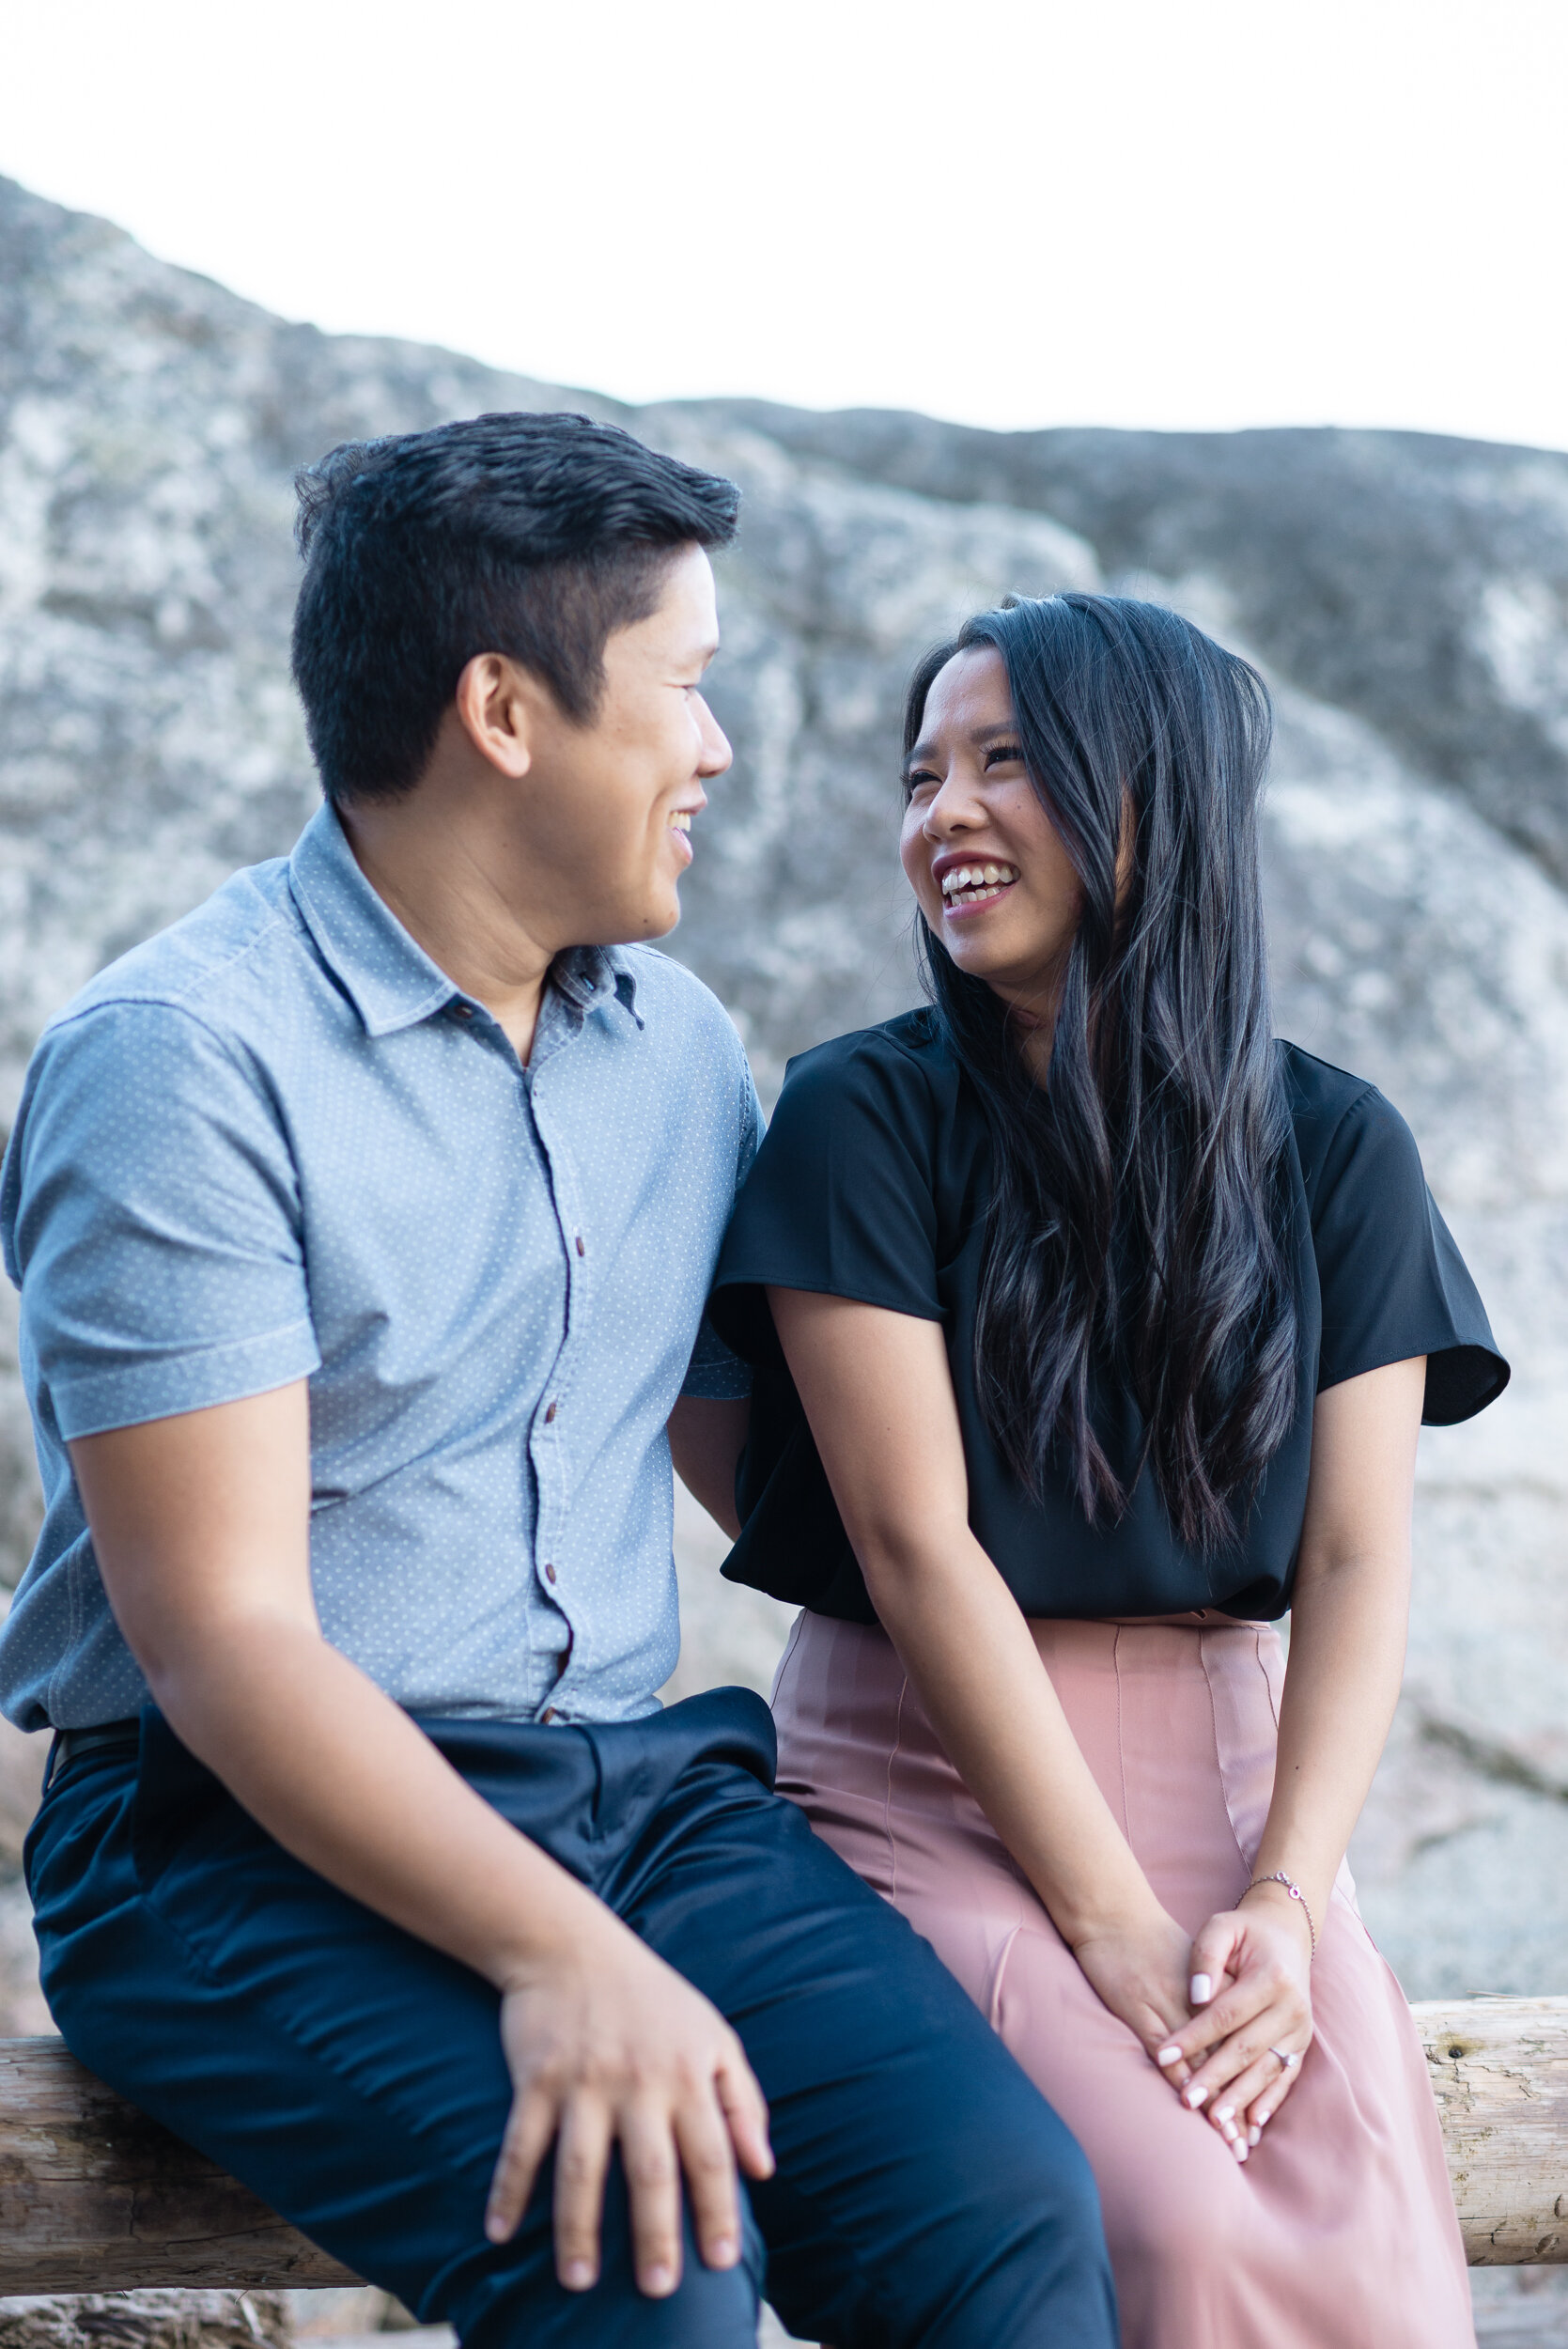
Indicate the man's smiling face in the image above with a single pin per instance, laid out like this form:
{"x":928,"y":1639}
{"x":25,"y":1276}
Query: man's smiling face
{"x":608,"y":807}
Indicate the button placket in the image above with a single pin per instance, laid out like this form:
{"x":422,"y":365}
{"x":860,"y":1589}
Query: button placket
{"x":547,"y":1440}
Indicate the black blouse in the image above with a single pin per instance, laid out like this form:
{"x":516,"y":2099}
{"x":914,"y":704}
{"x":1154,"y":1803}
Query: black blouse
{"x":872,"y":1183}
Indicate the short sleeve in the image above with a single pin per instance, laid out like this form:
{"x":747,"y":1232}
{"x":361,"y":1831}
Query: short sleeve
{"x":716,"y":1373}
{"x":152,"y":1223}
{"x":840,"y":1201}
{"x":1393,"y":1283}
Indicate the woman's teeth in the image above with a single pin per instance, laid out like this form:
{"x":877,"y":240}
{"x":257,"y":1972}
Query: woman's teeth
{"x":681,"y":819}
{"x":971,"y":884}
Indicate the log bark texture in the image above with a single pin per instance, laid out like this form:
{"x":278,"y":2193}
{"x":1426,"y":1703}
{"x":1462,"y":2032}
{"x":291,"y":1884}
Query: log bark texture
{"x":94,"y":2197}
{"x":1500,"y":2072}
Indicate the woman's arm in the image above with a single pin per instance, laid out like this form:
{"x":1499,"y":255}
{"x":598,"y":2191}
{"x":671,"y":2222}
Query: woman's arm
{"x":1348,"y":1623}
{"x":879,"y":1395}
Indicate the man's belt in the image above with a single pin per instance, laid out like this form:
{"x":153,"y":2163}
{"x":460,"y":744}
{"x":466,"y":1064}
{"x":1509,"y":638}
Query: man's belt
{"x":71,"y":1744}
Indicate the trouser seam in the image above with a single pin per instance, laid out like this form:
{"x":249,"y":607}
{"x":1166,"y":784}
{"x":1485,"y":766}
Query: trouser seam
{"x":1221,"y":1773}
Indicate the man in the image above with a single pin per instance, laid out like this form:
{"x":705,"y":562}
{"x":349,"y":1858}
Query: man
{"x":362,"y":1222}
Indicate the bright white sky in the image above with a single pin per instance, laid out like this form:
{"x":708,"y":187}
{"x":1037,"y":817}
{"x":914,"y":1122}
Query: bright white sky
{"x":1200,"y":213}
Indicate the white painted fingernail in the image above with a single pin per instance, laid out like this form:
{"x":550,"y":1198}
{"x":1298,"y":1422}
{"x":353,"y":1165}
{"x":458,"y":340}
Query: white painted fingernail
{"x":1167,"y":2056}
{"x":1264,"y":2115}
{"x":1228,"y":2130}
{"x":1239,"y":2150}
{"x":577,"y":2276}
{"x":1224,"y":2112}
{"x":1199,"y":1990}
{"x":1254,"y":2136}
{"x":1194,"y":2095}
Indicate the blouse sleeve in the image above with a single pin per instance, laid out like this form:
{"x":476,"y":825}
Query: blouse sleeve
{"x":1392,"y":1281}
{"x":840,"y":1199}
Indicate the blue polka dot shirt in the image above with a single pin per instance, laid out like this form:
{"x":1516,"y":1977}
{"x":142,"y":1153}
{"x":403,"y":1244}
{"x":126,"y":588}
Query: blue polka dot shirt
{"x":276,"y":1143}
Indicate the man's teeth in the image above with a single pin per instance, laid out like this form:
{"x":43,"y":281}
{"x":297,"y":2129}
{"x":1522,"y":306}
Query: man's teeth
{"x":973,"y":883}
{"x":681,"y":819}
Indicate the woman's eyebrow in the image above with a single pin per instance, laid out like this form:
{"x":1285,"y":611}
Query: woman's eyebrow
{"x":990,"y":731}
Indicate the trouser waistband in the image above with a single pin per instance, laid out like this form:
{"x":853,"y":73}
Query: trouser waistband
{"x":71,"y":1744}
{"x":582,"y":1790}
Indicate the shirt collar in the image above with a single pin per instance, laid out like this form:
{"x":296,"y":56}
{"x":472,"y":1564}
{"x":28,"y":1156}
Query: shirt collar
{"x":587,"y":976}
{"x":387,"y":975}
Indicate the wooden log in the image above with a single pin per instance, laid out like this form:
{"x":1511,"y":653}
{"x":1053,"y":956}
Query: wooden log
{"x":94,"y":2197}
{"x":1500,"y":2072}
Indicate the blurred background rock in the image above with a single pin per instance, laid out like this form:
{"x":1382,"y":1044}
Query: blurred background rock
{"x":1407,"y":597}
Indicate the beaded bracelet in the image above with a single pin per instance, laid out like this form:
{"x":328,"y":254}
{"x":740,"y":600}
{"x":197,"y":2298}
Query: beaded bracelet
{"x":1296,"y":1892}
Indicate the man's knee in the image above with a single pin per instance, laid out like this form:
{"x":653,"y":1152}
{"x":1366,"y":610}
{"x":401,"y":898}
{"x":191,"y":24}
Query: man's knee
{"x":707,"y":2310}
{"x":1033,"y":2215}
{"x":515,"y":2302}
{"x":1038,"y":2175}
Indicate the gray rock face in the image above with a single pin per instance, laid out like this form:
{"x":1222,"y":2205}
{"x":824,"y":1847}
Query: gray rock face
{"x":1408,"y":598}
{"x":1422,"y":583}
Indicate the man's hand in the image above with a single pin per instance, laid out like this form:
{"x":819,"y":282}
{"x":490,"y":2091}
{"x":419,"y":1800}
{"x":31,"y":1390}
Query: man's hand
{"x":611,"y":2046}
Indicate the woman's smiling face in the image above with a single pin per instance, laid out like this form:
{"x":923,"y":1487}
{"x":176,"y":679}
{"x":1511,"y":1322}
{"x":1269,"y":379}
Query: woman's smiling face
{"x":984,"y":858}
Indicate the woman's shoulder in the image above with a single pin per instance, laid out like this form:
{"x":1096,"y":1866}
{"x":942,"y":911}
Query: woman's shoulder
{"x":911,"y":1042}
{"x":1391,"y":1280}
{"x":1358,"y":1157}
{"x":904,"y":1059}
{"x":1340,"y":1119}
{"x":843,"y":1196}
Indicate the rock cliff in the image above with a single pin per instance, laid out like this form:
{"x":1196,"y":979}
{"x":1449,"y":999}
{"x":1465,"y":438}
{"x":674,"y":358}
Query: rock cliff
{"x":1407,"y":598}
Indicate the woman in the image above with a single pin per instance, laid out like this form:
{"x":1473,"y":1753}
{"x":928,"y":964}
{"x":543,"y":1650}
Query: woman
{"x":1092,"y":1331}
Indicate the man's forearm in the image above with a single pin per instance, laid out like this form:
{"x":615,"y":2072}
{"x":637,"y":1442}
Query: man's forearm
{"x":347,"y":1783}
{"x":201,"y":1526}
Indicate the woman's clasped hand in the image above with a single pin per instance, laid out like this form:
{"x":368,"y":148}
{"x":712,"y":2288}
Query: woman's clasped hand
{"x":1249,"y":1997}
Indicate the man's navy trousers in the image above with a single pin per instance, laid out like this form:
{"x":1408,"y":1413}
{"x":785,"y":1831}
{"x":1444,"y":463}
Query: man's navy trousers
{"x":353,"y":2076}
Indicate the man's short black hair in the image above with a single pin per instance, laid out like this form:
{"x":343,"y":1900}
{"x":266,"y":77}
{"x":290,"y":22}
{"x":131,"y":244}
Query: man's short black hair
{"x":533,"y":536}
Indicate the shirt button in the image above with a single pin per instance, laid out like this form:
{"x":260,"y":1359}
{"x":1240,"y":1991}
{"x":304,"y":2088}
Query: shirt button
{"x":548,"y":1715}
{"x":580,"y":1250}
{"x":462,"y":1011}
{"x":550,"y":1413}
{"x":550,"y":1574}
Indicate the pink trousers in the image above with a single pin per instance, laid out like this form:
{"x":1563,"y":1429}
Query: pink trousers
{"x":1339,"y":2231}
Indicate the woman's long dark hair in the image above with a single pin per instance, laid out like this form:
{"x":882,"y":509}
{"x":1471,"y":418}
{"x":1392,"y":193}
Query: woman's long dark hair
{"x":1134,"y":1238}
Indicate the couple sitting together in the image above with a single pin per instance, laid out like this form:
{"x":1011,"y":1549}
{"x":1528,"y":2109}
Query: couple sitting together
{"x":385,"y":1226}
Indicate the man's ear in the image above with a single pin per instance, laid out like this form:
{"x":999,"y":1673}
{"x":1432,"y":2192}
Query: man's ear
{"x":498,"y":707}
